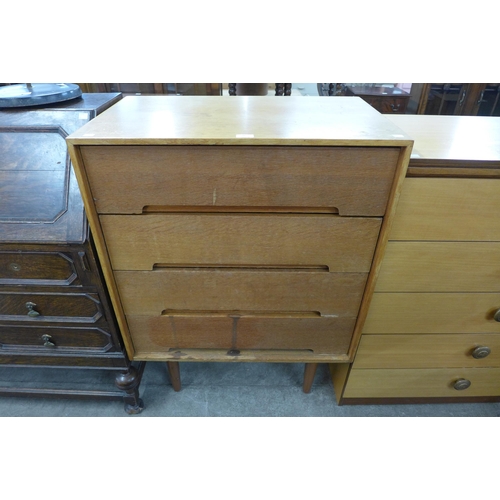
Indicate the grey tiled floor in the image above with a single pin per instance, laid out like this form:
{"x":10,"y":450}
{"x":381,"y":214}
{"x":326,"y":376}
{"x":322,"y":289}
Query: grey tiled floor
{"x":212,"y":390}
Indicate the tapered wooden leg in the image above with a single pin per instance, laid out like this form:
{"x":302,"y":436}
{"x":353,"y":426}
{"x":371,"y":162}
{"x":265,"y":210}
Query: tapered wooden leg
{"x":309,"y":372}
{"x":175,"y":375}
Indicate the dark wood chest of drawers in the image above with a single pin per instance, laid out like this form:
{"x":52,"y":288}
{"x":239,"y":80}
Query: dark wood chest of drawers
{"x":54,"y":307}
{"x":383,"y":99}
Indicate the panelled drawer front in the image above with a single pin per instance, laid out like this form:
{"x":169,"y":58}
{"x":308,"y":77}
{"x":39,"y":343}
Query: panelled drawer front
{"x":306,"y":293}
{"x":428,"y":351}
{"x":440,"y":267}
{"x":407,"y":383}
{"x":37,"y":268}
{"x":143,"y":241}
{"x":54,"y":339}
{"x":353,"y":180}
{"x":165,"y":333}
{"x":448,"y":209}
{"x":58,"y":307}
{"x":393,"y":313}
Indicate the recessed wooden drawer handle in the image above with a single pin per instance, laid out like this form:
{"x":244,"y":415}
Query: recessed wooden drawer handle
{"x":47,"y":342}
{"x":496,"y":316}
{"x":461,"y":384}
{"x":481,"y":352}
{"x":31,"y":310}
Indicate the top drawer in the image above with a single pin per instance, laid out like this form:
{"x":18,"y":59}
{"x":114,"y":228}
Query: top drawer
{"x":448,"y":210}
{"x":135,"y":179}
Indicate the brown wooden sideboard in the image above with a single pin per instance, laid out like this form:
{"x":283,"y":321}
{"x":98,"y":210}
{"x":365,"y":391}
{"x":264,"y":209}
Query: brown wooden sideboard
{"x":383,"y":99}
{"x":54,"y":306}
{"x":240,"y":229}
{"x":432,"y":333}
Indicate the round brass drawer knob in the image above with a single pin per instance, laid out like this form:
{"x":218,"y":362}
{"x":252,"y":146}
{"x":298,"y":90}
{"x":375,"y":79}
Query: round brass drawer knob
{"x":461,"y":384}
{"x":481,"y":352}
{"x":496,"y":316}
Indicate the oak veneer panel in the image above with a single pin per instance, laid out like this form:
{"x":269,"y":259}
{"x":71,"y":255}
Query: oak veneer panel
{"x":166,"y":333}
{"x":438,"y":382}
{"x":448,"y":209}
{"x":392,"y":313}
{"x":459,"y":138}
{"x":426,"y":351}
{"x":151,"y":293}
{"x":354,"y":181}
{"x":440,"y":267}
{"x":138,"y":242}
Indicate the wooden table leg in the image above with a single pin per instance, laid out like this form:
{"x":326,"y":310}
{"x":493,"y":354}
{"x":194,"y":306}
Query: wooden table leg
{"x":175,"y":375}
{"x":309,"y":372}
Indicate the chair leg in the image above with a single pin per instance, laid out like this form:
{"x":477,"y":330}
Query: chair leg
{"x":175,"y":375}
{"x":309,"y":372}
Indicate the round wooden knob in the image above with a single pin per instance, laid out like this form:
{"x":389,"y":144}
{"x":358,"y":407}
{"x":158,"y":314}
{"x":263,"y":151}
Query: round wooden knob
{"x":481,"y":352}
{"x":496,"y":316}
{"x":461,"y":384}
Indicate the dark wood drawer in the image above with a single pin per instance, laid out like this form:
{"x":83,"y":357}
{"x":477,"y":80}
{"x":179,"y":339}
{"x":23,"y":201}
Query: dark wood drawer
{"x":54,"y":338}
{"x":37,"y":268}
{"x":51,"y":307}
{"x":353,"y":181}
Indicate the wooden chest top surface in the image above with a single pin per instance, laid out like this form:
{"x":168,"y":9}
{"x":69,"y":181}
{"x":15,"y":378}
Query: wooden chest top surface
{"x":252,"y":120}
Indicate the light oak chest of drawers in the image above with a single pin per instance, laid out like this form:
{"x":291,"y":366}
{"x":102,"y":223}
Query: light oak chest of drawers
{"x":240,"y":229}
{"x":432,"y":333}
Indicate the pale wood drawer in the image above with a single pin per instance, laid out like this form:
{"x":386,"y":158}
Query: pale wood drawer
{"x":448,"y":209}
{"x":440,"y":267}
{"x":392,"y":313}
{"x":427,"y":351}
{"x":408,"y":383}
{"x":139,"y":242}
{"x":304,"y":293}
{"x":165,"y":333}
{"x":130,"y":179}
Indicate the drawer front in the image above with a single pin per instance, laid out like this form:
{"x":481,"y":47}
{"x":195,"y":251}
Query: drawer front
{"x":311,"y":294}
{"x":37,"y":268}
{"x":54,"y":339}
{"x":407,"y":383}
{"x":428,"y":351}
{"x":164,"y":333}
{"x":440,"y":267}
{"x":50,"y":307}
{"x":448,"y":209}
{"x":131,"y":179}
{"x":335,"y":243}
{"x":392,"y":313}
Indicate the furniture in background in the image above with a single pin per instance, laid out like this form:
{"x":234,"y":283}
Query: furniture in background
{"x":383,"y":99}
{"x":54,"y":307}
{"x":432,"y":332}
{"x":480,"y":99}
{"x":155,"y":88}
{"x":258,"y":89}
{"x":241,"y":235}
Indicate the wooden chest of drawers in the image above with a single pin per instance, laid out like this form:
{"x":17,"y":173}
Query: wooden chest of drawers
{"x":240,"y":229}
{"x":432,"y":331}
{"x":391,"y":100}
{"x":54,"y":307}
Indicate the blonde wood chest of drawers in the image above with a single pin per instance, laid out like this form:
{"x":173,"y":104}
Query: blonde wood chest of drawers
{"x":432,"y":332}
{"x":240,"y":229}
